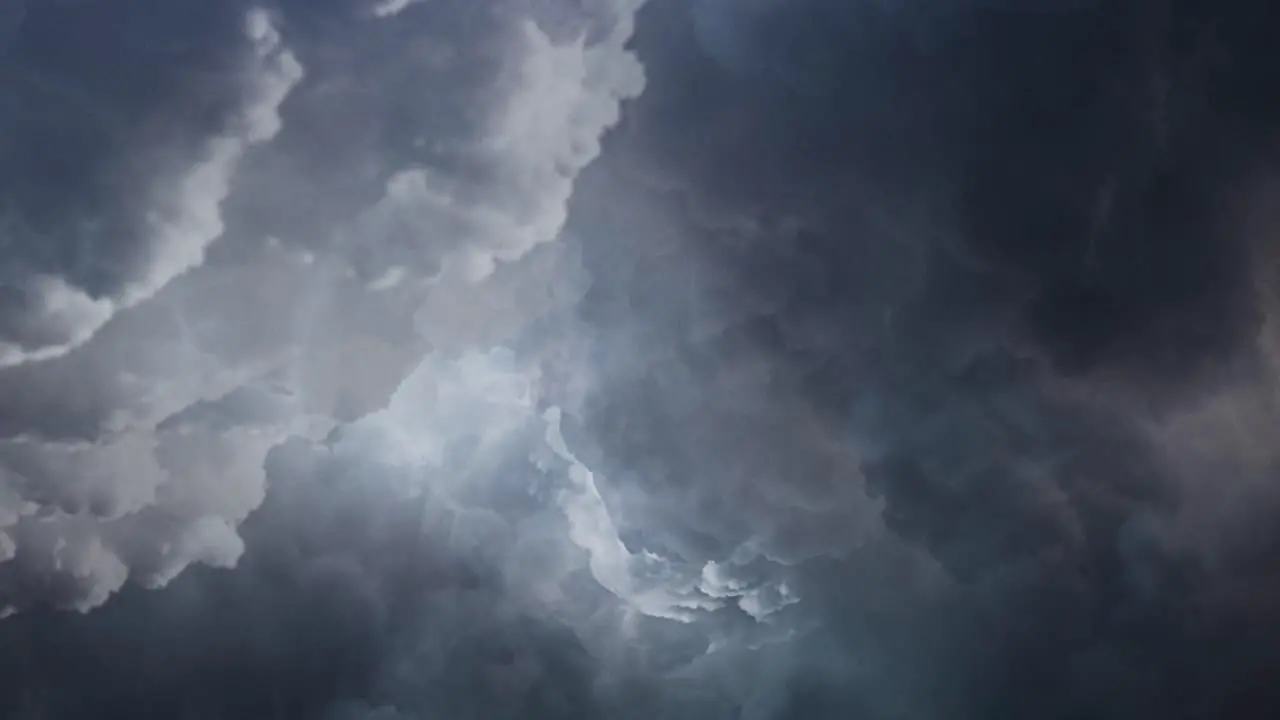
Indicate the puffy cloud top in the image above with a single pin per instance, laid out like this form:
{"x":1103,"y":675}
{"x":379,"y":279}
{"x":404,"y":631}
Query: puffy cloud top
{"x":888,"y":359}
{"x":170,"y":323}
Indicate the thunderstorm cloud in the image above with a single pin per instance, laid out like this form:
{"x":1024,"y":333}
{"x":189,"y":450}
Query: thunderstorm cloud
{"x":714,"y":359}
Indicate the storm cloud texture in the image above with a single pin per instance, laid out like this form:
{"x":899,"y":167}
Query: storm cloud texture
{"x":715,"y":359}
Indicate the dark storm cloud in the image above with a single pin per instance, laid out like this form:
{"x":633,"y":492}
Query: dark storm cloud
{"x":1005,"y":259}
{"x":380,"y":579}
{"x":897,"y":360}
{"x":349,"y":583}
{"x":400,"y":213}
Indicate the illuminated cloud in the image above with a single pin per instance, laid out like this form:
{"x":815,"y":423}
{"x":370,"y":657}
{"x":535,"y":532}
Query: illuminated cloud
{"x":889,"y":359}
{"x":135,"y":436}
{"x":49,"y":315}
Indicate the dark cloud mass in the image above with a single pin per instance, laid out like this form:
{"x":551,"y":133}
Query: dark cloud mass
{"x":740,"y":360}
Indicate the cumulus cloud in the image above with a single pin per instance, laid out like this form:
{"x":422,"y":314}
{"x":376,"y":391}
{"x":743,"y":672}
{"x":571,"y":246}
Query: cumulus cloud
{"x":134,"y":444}
{"x":545,"y":130}
{"x":888,"y":361}
{"x":49,"y":314}
{"x":997,"y":324}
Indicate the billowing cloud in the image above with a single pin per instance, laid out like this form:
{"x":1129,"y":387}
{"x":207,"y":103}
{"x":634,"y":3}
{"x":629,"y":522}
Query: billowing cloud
{"x":889,"y":360}
{"x":1010,"y":331}
{"x":134,"y":436}
{"x":511,"y":192}
{"x":49,"y":313}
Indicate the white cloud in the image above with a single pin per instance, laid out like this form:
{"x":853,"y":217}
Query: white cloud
{"x":546,"y":126}
{"x":138,"y":446}
{"x":185,"y":216}
{"x":389,"y":8}
{"x":139,"y":490}
{"x":648,"y":583}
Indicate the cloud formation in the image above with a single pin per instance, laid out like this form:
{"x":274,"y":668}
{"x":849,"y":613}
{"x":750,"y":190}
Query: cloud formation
{"x":1000,"y":315}
{"x":886,"y":360}
{"x":50,"y":313}
{"x":135,"y":435}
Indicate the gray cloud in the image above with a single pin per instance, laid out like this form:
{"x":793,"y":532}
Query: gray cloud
{"x":134,"y":444}
{"x":51,"y":313}
{"x":886,"y":361}
{"x":1001,"y":317}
